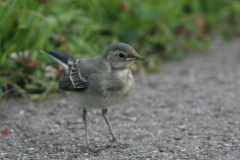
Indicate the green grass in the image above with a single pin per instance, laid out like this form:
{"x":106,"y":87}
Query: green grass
{"x":157,"y":29}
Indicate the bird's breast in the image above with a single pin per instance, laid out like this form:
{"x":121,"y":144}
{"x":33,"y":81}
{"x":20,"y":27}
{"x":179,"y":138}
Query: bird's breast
{"x":118,"y":86}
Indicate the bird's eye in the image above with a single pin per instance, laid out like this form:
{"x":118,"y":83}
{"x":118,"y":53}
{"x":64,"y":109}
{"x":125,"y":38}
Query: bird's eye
{"x":122,"y":55}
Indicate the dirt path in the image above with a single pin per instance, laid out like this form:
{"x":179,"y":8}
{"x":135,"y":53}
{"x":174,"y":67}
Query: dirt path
{"x":191,"y":110}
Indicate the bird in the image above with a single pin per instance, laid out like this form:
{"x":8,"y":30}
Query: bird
{"x":98,"y":82}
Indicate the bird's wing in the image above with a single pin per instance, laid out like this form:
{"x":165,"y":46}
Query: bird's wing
{"x":78,"y":76}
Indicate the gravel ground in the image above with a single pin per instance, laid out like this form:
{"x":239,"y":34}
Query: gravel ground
{"x":188,"y":111}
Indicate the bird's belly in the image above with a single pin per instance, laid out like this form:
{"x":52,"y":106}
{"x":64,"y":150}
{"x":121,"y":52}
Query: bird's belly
{"x":88,"y":100}
{"x":102,"y":101}
{"x":112,"y":98}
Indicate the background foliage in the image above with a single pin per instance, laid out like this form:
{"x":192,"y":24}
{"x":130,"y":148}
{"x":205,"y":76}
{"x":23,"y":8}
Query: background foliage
{"x":157,"y":29}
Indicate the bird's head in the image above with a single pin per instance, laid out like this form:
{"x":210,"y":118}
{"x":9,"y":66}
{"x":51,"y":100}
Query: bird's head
{"x":121,"y":55}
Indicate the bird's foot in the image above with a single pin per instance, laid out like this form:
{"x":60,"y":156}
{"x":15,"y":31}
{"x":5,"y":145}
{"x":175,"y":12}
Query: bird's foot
{"x":94,"y":150}
{"x":120,"y":145}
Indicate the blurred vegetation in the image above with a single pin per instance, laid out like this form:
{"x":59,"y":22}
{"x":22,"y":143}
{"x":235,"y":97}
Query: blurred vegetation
{"x":157,"y":29}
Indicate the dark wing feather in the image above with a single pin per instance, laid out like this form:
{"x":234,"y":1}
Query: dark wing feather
{"x":73,"y":81}
{"x":65,"y":83}
{"x":76,"y":77}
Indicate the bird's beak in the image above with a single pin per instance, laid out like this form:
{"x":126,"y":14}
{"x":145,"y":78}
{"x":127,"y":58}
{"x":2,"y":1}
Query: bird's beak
{"x":140,"y":58}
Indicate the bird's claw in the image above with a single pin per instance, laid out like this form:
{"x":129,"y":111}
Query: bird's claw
{"x":94,"y":150}
{"x":120,"y":145}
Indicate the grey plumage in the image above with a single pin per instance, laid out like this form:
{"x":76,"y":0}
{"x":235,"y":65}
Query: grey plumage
{"x":99,"y":82}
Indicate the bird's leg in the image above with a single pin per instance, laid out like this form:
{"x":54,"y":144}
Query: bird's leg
{"x":86,"y":131}
{"x":104,"y":114}
{"x":84,"y":114}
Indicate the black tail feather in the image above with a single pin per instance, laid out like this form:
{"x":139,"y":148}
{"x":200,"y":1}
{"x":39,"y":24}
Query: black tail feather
{"x":59,"y":56}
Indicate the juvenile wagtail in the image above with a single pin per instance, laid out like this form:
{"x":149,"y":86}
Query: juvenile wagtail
{"x":99,"y":82}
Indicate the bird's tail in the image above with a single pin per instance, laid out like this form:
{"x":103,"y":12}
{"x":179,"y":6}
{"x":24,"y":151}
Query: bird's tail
{"x":59,"y":56}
